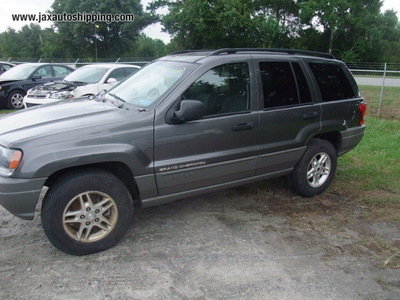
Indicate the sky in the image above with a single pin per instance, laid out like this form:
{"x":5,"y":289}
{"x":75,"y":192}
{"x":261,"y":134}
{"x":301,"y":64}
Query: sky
{"x":35,"y":6}
{"x":154,"y":31}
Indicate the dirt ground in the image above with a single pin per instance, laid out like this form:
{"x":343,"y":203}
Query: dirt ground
{"x":258,"y":241}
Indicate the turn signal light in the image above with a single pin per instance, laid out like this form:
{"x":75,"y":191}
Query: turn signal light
{"x":15,"y":160}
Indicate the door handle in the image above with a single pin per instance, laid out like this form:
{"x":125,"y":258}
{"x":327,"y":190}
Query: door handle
{"x":310,"y":115}
{"x":243,"y":126}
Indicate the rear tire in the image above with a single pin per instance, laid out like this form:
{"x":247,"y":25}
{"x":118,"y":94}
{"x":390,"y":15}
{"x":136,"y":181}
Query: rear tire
{"x":87,"y":212}
{"x":315,"y":170}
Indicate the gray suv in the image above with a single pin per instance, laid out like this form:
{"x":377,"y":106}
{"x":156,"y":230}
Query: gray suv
{"x":188,"y":123}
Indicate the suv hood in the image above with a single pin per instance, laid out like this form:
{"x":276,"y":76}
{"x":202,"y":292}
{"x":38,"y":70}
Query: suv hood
{"x":71,"y":119}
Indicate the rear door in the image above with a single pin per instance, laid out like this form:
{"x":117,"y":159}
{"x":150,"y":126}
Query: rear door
{"x":289,"y":114}
{"x":222,"y":146}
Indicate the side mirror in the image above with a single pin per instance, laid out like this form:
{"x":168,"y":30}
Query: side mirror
{"x":36,"y":77}
{"x":189,"y":110}
{"x":111,"y":80}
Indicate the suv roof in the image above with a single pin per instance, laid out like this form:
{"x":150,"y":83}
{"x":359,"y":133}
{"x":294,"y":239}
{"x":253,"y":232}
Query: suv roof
{"x":196,"y":55}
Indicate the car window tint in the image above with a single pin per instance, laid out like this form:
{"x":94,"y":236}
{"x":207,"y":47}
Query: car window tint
{"x":332,"y":81}
{"x":7,"y":67}
{"x":117,"y":74}
{"x":304,"y":90}
{"x":223,"y":89}
{"x":60,"y":71}
{"x":279,"y":86}
{"x":43,"y":72}
{"x":130,"y":71}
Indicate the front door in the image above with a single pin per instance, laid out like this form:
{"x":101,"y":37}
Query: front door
{"x":222,"y":146}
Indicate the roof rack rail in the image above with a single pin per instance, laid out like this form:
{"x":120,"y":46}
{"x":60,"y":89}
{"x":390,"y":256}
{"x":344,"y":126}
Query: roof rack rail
{"x":187,"y":51}
{"x":274,"y":50}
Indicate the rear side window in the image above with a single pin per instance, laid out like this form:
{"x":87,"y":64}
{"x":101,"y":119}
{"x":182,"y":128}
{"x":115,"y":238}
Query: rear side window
{"x":332,"y":81}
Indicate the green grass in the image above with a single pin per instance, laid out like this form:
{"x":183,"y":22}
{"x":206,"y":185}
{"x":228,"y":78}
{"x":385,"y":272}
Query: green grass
{"x":377,"y":75}
{"x":371,"y":171}
{"x":390,"y":102}
{"x":5,"y":111}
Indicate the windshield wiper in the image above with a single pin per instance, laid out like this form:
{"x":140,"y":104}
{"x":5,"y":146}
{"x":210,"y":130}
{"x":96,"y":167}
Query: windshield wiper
{"x":117,"y":97}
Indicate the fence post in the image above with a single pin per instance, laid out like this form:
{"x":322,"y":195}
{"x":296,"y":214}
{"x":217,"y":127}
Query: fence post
{"x":383,"y":86}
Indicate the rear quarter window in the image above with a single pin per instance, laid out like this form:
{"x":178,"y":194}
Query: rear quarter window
{"x":332,"y":81}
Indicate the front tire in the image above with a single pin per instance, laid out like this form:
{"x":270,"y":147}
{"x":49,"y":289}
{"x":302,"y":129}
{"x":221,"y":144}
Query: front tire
{"x":87,"y":212}
{"x":15,"y":100}
{"x":315,"y":170}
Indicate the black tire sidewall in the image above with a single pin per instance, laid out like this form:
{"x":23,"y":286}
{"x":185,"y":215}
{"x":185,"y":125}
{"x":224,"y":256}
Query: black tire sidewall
{"x":298,"y":178}
{"x":72,"y":185}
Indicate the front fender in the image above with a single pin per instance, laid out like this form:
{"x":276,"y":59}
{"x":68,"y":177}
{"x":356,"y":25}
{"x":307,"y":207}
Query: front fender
{"x":44,"y":164}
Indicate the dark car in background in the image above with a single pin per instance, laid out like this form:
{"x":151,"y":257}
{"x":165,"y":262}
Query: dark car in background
{"x":5,"y":66}
{"x":17,"y":81}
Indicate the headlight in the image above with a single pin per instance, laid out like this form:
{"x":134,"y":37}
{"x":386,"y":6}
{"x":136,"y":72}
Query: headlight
{"x":62,"y":95}
{"x":9,"y":160}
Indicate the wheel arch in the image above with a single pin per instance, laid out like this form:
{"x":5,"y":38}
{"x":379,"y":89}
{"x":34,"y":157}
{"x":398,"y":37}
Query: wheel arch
{"x":16,"y":89}
{"x":119,"y":169}
{"x":334,"y":137}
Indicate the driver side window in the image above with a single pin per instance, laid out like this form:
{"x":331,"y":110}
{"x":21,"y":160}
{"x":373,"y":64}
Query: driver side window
{"x":223,"y":89}
{"x":43,"y":72}
{"x":117,"y":74}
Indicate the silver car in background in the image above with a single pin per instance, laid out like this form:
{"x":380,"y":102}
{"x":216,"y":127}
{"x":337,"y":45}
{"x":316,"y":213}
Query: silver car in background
{"x":86,"y":81}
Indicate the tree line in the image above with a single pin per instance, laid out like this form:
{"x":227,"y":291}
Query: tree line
{"x":352,"y":30}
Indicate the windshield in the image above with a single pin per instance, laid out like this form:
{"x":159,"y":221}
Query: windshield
{"x":150,"y":83}
{"x":19,"y":72}
{"x":87,"y":74}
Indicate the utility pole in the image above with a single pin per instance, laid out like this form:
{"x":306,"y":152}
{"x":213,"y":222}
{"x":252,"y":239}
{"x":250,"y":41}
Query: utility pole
{"x":95,"y":38}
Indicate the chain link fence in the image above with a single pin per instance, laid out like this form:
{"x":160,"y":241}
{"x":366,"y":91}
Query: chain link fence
{"x":379,"y":84}
{"x":78,"y":62}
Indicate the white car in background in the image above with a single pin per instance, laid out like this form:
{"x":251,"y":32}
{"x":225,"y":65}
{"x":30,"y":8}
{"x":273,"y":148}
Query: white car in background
{"x":86,"y":81}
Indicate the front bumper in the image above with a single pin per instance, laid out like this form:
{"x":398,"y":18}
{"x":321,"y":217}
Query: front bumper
{"x":32,"y":101}
{"x":20,"y":196}
{"x":3,"y":100}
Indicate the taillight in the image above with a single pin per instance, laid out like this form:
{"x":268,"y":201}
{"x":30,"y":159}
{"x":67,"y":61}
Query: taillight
{"x":363,"y":112}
